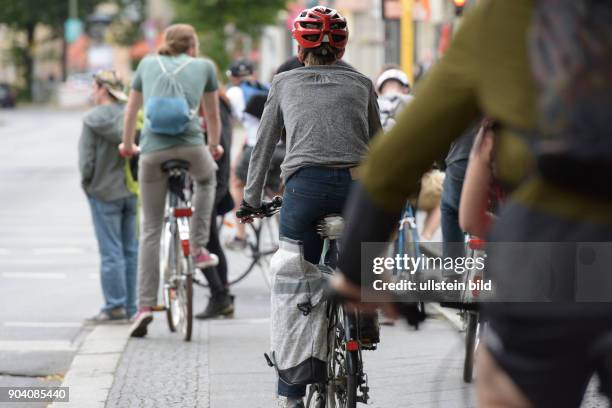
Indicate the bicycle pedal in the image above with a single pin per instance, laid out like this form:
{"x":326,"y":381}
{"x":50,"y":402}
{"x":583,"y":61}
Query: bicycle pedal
{"x":158,"y":308}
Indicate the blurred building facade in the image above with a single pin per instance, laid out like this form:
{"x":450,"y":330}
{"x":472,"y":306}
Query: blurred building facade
{"x":375,"y":33}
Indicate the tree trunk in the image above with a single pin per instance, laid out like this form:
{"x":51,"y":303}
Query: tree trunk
{"x":64,"y":57}
{"x":28,"y":59}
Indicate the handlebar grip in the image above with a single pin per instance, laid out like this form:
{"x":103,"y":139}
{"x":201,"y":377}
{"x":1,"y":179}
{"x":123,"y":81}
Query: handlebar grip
{"x":277,"y":201}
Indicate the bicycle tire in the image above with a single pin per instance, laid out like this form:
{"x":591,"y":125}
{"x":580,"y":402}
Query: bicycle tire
{"x":167,"y":246}
{"x":470,"y":346}
{"x":187,"y":327}
{"x":351,"y":359}
{"x":258,"y":254}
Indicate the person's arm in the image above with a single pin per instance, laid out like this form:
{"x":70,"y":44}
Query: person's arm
{"x":474,"y":216}
{"x":445,"y":104}
{"x":87,"y":155}
{"x":210,"y":103}
{"x":374,"y":124}
{"x":128,"y":147}
{"x":268,"y":136}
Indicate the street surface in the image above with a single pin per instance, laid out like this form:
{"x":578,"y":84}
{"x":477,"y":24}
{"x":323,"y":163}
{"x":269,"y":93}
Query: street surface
{"x":49,"y":283}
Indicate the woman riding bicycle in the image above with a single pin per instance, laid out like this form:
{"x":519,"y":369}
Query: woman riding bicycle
{"x":330,"y":114}
{"x":177,"y":58}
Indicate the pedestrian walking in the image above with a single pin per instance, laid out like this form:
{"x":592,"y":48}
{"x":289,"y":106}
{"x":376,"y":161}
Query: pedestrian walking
{"x":113,"y":205}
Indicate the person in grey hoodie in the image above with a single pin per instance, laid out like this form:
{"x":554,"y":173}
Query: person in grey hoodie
{"x":113,"y":206}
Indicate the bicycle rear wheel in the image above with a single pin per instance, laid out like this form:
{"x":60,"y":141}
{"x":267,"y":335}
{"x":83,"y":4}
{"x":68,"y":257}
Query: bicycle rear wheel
{"x":345,"y":366}
{"x":180,"y":293}
{"x":167,"y":255}
{"x":471,"y":334}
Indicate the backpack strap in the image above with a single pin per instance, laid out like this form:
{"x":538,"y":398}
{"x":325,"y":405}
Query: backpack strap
{"x":183,"y":65}
{"x":176,"y":71}
{"x":161,"y":64}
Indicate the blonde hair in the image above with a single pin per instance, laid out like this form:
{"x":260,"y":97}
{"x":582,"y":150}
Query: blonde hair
{"x":178,"y":39}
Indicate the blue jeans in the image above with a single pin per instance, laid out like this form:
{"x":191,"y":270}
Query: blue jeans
{"x":449,"y":207}
{"x":115,"y":226}
{"x":310,"y":194}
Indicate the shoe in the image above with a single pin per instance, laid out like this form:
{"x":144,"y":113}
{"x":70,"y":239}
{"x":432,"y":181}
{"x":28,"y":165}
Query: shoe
{"x":205,"y":259}
{"x":140,"y":322}
{"x":115,"y":316}
{"x":236,"y":244}
{"x":221,"y":304}
{"x":289,"y":402}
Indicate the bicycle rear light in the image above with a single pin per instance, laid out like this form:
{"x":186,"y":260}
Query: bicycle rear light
{"x":476,"y":243}
{"x":185,"y":245}
{"x":352,"y":345}
{"x":183,"y":212}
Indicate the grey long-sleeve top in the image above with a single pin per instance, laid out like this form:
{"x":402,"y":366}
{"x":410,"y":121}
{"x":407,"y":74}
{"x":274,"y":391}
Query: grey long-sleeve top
{"x":329,"y":112}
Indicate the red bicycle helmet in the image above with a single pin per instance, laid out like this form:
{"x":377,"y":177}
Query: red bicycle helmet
{"x":318,"y":25}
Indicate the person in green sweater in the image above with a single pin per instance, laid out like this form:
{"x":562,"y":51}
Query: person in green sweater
{"x":535,"y":354}
{"x":113,"y":206}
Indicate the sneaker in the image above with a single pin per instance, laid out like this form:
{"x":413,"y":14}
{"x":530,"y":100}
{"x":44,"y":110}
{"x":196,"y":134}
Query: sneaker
{"x":289,"y":402}
{"x":220,"y":305}
{"x":236,"y":244}
{"x":205,"y":259}
{"x":115,"y":316}
{"x":140,"y":322}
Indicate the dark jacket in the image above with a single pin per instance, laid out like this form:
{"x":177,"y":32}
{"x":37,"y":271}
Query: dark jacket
{"x":223,"y":199}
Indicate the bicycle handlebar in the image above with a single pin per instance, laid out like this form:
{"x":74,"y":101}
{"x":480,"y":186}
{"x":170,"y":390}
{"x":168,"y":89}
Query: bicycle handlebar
{"x":267,"y":209}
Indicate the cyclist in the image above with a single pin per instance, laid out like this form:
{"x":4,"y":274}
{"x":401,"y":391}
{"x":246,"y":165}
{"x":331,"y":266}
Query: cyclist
{"x":535,"y":354}
{"x":196,"y":77}
{"x":393,"y":88}
{"x":330,"y":114}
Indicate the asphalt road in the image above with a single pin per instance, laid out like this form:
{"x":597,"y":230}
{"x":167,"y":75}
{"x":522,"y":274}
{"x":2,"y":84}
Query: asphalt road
{"x":48,"y":255}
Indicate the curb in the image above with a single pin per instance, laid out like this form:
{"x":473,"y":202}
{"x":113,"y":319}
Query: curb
{"x":450,"y":315}
{"x":92,"y":372}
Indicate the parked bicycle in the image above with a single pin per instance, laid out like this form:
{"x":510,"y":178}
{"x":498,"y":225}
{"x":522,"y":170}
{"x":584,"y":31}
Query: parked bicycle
{"x":176,"y":264}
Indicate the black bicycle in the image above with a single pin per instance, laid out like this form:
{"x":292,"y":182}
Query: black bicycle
{"x":346,"y":383}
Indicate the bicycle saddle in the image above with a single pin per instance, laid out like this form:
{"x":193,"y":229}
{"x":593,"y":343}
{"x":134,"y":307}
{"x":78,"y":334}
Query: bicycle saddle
{"x":174,"y":164}
{"x":331,"y":226}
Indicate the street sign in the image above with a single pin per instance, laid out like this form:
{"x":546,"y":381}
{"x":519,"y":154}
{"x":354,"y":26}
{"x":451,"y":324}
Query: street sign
{"x":73,"y":28}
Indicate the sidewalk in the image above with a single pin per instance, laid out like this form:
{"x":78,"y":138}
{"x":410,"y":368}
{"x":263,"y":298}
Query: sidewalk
{"x":223,"y":365}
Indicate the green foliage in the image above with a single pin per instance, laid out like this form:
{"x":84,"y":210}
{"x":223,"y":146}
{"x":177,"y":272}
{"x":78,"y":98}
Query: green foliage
{"x":21,"y":14}
{"x":210,"y":17}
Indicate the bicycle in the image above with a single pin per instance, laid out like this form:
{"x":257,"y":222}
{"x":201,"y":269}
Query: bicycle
{"x":176,"y":263}
{"x":346,"y":382}
{"x":470,"y":312}
{"x":262,"y":243}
